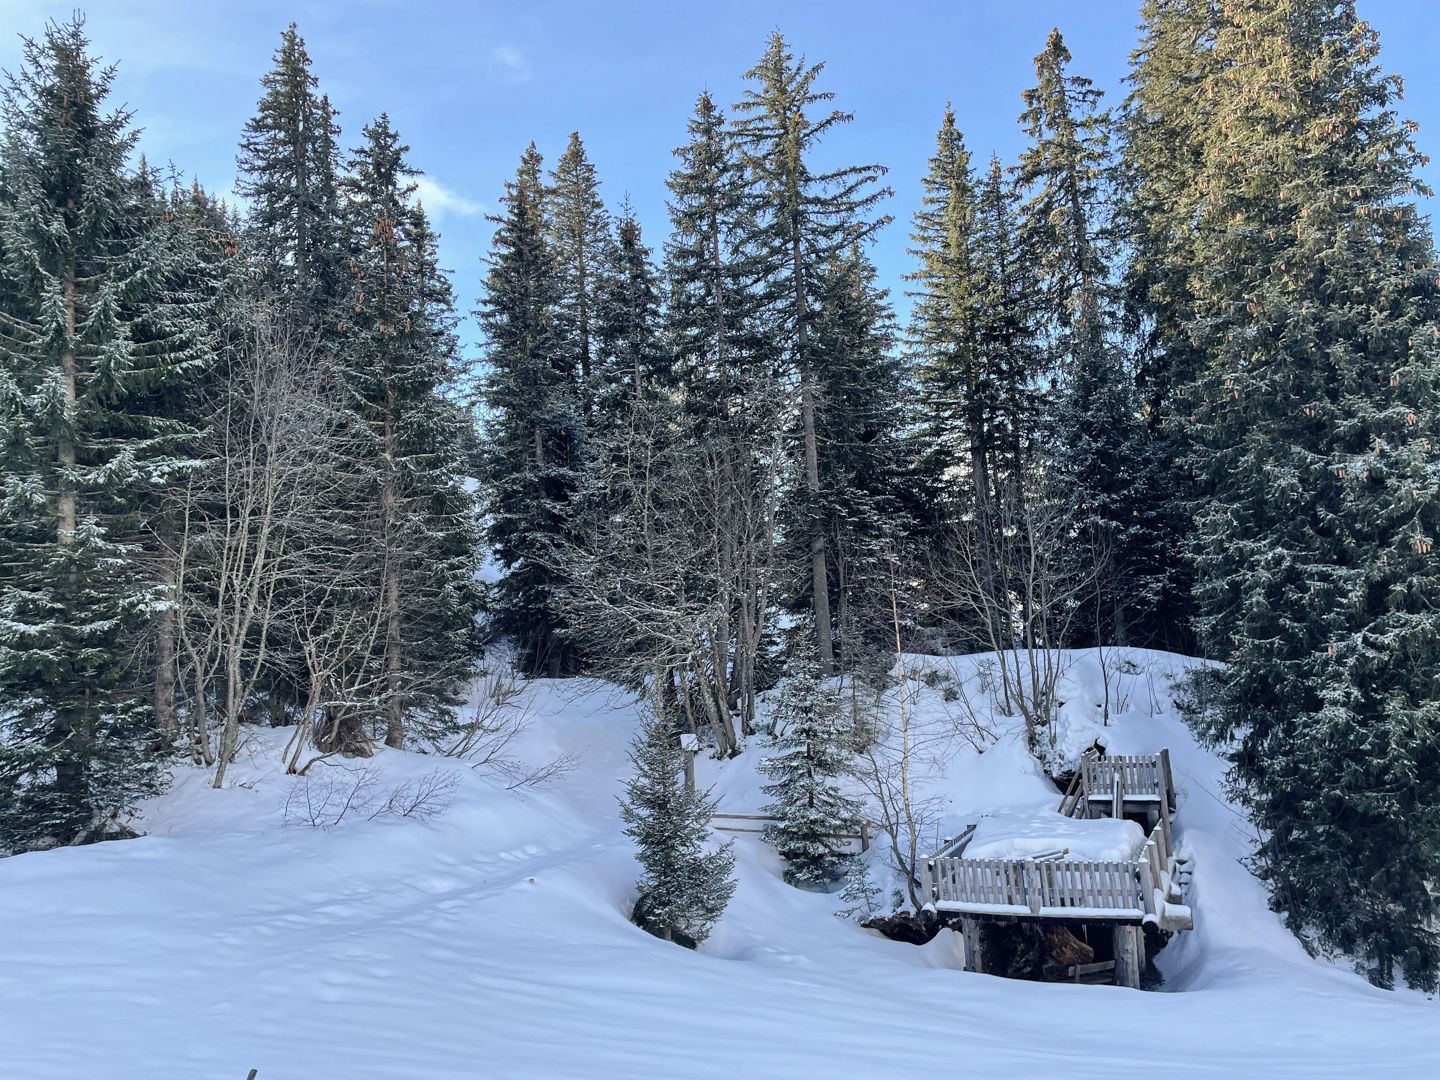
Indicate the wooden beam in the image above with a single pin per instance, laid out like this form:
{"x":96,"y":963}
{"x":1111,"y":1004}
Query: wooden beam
{"x":974,"y":947}
{"x":1129,"y":953}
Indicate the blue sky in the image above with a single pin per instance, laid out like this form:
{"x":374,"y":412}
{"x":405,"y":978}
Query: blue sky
{"x":468,"y":85}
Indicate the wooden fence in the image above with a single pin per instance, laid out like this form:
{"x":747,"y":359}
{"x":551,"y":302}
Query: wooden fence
{"x":740,"y":824}
{"x":1114,"y":781}
{"x":1053,"y":886}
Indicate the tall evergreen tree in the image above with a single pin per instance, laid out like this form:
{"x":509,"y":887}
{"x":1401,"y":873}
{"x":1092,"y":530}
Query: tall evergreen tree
{"x":975,"y":340}
{"x":1317,"y":311}
{"x":959,"y":400}
{"x":289,"y":165}
{"x":1163,"y":129}
{"x":629,"y":323}
{"x":208,"y":277}
{"x":803,"y":219}
{"x":400,"y":357}
{"x":1100,"y":450}
{"x":581,"y":240}
{"x":91,"y":332}
{"x":534,"y":445}
{"x":863,"y":459}
{"x":732,"y":403}
{"x":711,"y":306}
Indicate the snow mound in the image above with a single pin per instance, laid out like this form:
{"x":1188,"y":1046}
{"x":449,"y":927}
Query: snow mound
{"x":1019,"y":834}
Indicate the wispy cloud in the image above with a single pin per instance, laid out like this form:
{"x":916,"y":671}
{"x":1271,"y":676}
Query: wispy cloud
{"x":440,"y":200}
{"x":511,"y":62}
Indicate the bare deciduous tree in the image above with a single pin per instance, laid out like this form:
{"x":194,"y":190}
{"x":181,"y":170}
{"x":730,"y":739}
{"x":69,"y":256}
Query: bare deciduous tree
{"x":265,"y":577}
{"x":669,"y":580}
{"x":1018,"y":575}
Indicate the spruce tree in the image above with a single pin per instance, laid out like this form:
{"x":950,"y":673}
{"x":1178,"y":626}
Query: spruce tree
{"x":581,"y":241}
{"x":864,"y":459}
{"x":973,"y":336}
{"x":802,"y":220}
{"x":712,"y":307}
{"x":288,"y":165}
{"x":685,"y":885}
{"x":92,"y":334}
{"x":634,"y":361}
{"x":958,"y":402}
{"x":733,"y":405}
{"x":1162,"y":130}
{"x":207,"y":282}
{"x":400,"y":357}
{"x":1100,"y":449}
{"x":534,"y":442}
{"x":1317,"y":311}
{"x":813,"y":745}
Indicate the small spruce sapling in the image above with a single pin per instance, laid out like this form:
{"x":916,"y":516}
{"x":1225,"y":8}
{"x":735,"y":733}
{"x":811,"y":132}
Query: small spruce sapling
{"x":813,"y":741}
{"x":685,"y":886}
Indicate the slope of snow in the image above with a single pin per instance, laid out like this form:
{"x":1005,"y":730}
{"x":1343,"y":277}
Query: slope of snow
{"x":493,"y":941}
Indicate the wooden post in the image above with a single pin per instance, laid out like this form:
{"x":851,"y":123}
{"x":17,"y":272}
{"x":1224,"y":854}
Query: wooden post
{"x":864,"y":835}
{"x":690,"y":746}
{"x":1167,"y":780}
{"x":1148,"y":882}
{"x":1117,"y":808}
{"x":974,"y":950}
{"x":1129,"y":946}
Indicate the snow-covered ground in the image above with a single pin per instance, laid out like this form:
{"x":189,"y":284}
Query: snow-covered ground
{"x":492,"y":941}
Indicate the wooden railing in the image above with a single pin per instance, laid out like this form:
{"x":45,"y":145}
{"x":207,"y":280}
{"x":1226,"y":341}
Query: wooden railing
{"x":755,"y":823}
{"x":1110,"y":780}
{"x":1054,"y":886}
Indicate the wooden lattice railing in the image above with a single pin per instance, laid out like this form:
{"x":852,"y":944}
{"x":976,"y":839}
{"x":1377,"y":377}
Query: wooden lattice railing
{"x":1053,"y":886}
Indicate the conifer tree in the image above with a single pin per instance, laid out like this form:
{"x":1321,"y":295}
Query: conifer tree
{"x":802,"y":220}
{"x":1163,"y":127}
{"x":685,"y":885}
{"x":400,"y":357}
{"x":959,"y":403}
{"x":289,"y":165}
{"x":91,"y":333}
{"x":1317,"y":311}
{"x":1009,"y":332}
{"x":633,"y":359}
{"x":973,"y":332}
{"x":975,"y":340}
{"x":732,"y":401}
{"x":581,"y":240}
{"x":208,"y":278}
{"x":812,"y":740}
{"x":864,"y":458}
{"x":534,"y":444}
{"x":711,"y":304}
{"x":1100,"y":452}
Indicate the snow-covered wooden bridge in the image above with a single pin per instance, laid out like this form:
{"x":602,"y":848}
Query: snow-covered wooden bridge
{"x":1042,"y":880}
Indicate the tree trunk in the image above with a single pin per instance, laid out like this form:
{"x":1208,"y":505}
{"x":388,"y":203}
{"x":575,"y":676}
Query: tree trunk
{"x":394,"y":703}
{"x":819,"y":572}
